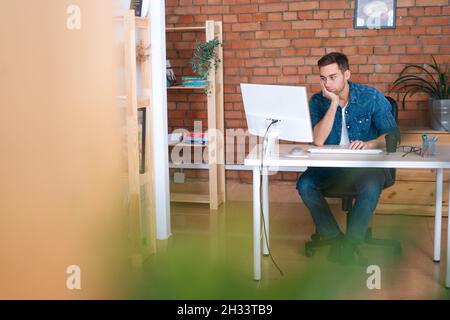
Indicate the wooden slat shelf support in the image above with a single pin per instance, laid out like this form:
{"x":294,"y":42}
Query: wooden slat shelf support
{"x":143,"y":244}
{"x":215,"y":105}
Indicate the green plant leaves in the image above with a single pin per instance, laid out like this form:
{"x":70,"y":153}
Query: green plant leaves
{"x":410,"y":82}
{"x":205,"y":57}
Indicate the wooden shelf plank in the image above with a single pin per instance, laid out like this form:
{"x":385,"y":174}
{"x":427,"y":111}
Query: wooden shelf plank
{"x":144,"y":178}
{"x":189,"y":197}
{"x":180,"y":144}
{"x":200,"y":28}
{"x":142,"y":98}
{"x":201,"y":166}
{"x":410,"y":209}
{"x":186,"y":87}
{"x":421,"y":130}
{"x":142,"y":102}
{"x":140,"y":22}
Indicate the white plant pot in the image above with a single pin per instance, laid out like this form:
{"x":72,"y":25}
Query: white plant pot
{"x":440,"y":114}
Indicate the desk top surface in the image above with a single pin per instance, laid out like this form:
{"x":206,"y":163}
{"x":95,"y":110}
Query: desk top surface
{"x":383,"y":160}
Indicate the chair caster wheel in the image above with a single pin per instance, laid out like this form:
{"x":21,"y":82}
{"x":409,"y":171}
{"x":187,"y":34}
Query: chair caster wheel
{"x":369,"y":234}
{"x":315,"y":237}
{"x":309,"y":252}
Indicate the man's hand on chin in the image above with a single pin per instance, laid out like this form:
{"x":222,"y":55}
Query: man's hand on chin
{"x":329,"y":95}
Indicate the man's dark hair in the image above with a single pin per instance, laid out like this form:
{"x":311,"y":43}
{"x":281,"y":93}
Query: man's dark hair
{"x":334,"y":57}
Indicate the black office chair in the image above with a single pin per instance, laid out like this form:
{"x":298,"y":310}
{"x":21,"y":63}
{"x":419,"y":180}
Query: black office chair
{"x":347,"y":197}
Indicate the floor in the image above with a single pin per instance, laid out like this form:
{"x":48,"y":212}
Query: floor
{"x":210,"y":256}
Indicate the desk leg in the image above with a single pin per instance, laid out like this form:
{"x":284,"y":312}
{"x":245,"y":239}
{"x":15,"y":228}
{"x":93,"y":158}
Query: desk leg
{"x":256,"y":224}
{"x":447,"y":265}
{"x":438,"y":215}
{"x":265,"y":203}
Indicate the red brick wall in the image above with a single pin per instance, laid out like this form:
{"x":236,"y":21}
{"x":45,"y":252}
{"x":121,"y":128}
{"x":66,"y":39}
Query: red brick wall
{"x":279,"y":42}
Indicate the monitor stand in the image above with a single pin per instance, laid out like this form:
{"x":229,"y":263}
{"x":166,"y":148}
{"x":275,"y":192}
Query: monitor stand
{"x":270,"y":145}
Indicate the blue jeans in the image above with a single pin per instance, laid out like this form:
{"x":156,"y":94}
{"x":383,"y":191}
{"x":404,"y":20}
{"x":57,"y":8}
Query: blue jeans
{"x":368,"y":184}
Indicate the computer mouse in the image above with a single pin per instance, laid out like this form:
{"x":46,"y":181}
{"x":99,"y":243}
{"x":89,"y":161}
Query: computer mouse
{"x":297,"y":151}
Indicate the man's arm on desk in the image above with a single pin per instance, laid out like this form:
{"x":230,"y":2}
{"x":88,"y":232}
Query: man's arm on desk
{"x":384,"y":121}
{"x":377,"y":143}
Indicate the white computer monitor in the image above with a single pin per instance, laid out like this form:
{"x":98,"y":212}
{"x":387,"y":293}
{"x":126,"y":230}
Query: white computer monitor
{"x":288,"y":104}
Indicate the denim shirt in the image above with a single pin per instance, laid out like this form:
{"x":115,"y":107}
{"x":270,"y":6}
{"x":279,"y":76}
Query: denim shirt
{"x":367,"y":116}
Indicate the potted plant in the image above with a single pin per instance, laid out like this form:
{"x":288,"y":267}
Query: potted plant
{"x":433,"y":80}
{"x":204,"y":59}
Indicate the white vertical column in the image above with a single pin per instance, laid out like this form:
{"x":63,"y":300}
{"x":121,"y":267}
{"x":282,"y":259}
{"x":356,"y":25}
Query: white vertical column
{"x":159,"y":125}
{"x":256,"y":224}
{"x":438,"y":215}
{"x":447,"y":265}
{"x":265,"y":203}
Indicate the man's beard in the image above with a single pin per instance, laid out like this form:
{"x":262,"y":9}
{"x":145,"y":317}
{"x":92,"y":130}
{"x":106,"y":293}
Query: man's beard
{"x":338,"y":92}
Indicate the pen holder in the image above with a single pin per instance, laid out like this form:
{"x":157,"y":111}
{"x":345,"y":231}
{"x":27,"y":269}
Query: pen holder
{"x":428,"y":149}
{"x":391,"y":143}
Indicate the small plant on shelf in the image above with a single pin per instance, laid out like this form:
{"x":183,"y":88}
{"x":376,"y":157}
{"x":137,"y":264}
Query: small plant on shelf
{"x":142,"y":52}
{"x":204,"y":59}
{"x":433,"y":80}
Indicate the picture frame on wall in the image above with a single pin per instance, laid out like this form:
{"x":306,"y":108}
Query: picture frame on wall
{"x":375,"y":14}
{"x":140,"y":7}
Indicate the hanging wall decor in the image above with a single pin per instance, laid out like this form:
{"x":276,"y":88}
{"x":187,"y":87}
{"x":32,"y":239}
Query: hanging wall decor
{"x":374,"y":14}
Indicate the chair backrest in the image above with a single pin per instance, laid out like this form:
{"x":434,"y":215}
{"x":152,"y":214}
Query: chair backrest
{"x":394,"y":111}
{"x":394,"y":107}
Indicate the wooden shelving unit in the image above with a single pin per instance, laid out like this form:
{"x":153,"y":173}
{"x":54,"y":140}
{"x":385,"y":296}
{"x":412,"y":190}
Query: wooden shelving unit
{"x":216,"y":153}
{"x":140,"y":184}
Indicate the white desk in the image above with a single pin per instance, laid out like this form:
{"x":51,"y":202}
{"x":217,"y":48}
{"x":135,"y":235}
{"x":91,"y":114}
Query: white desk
{"x":394,"y":160}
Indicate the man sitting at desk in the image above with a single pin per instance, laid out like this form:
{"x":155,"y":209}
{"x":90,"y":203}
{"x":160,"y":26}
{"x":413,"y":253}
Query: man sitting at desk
{"x":359,"y":116}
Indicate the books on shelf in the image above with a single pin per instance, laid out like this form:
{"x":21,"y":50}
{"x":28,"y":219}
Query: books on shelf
{"x":195,"y":138}
{"x":175,"y":138}
{"x":170,"y":75}
{"x":194,"y":82}
{"x":140,"y":7}
{"x":188,"y":138}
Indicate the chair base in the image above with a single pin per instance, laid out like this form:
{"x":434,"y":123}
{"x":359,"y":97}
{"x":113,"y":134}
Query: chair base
{"x":317,"y":242}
